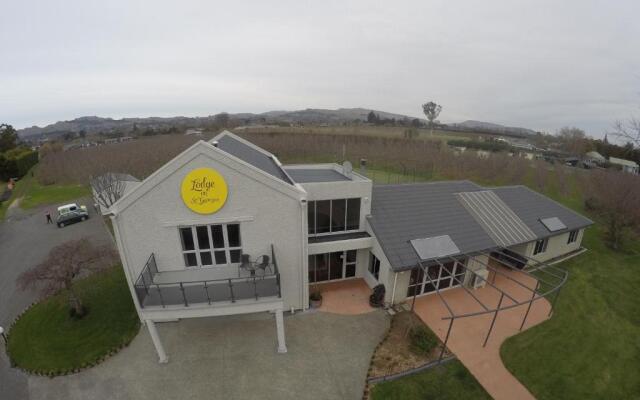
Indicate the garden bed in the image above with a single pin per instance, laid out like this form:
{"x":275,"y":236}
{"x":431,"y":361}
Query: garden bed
{"x":398,"y":352}
{"x":45,"y":340}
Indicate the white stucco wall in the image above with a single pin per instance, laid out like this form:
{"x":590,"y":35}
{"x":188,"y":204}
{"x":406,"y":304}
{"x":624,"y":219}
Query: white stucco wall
{"x":266,"y":216}
{"x":557,"y":246}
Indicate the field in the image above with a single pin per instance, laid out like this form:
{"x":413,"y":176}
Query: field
{"x":367,"y":130}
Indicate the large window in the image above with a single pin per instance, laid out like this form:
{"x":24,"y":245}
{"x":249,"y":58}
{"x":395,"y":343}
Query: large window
{"x":442,"y":277}
{"x":331,"y":216}
{"x":374,"y":266}
{"x":332,"y":266}
{"x":573,"y":236}
{"x":540,"y":247}
{"x":208,"y":245}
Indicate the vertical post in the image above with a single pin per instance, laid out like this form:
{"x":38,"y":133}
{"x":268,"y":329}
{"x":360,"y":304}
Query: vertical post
{"x":184,"y":297}
{"x":233,"y":299}
{"x":160,"y":294}
{"x":206,"y":290}
{"x":553,"y":304}
{"x":155,"y":338}
{"x":529,"y":306}
{"x":415,"y":293}
{"x":282,"y":346}
{"x":493,"y":321}
{"x":446,"y":340}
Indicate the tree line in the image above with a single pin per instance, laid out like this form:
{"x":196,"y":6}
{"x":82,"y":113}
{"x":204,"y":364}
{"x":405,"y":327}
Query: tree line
{"x":15,"y":158}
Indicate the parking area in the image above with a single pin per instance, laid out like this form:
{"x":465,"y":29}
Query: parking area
{"x":25,"y":240}
{"x":234,"y":358}
{"x":225,"y":357}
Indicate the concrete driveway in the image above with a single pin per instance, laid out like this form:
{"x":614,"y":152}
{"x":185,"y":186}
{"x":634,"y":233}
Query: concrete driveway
{"x":468,"y":334}
{"x":234,"y":358}
{"x":211,"y":358}
{"x":25,"y":240}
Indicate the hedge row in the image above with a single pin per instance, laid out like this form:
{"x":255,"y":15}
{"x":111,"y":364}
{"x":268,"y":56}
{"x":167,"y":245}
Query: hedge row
{"x":16,"y":163}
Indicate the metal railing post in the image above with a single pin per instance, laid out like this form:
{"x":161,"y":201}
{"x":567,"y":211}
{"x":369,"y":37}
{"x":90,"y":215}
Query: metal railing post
{"x":255,"y":288}
{"x":206,"y":290}
{"x":184,"y":297}
{"x":446,"y":340}
{"x":526,"y":314}
{"x":493,"y":321}
{"x":160,"y":294}
{"x":233,"y":299}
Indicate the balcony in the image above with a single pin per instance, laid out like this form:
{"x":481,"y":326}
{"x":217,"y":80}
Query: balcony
{"x":176,"y":289}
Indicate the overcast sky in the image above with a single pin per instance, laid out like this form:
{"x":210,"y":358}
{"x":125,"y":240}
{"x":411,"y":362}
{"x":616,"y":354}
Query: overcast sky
{"x":538,"y":64}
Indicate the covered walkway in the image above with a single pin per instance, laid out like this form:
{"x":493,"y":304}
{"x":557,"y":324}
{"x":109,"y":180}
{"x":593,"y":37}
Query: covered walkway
{"x":468,"y":334}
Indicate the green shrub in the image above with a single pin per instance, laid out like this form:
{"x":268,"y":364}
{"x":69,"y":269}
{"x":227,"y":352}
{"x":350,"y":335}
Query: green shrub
{"x":422,"y":340}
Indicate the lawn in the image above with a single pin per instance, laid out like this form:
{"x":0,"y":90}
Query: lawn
{"x":590,"y":349}
{"x":33,"y":194}
{"x":45,"y":338}
{"x":448,"y":381}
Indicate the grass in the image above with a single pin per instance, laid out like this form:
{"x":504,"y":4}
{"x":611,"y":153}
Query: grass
{"x":45,"y":338}
{"x":33,"y":194}
{"x":448,"y":381}
{"x":590,"y":348}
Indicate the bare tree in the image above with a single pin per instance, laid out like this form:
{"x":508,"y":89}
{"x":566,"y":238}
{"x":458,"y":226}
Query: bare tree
{"x":63,"y":264}
{"x":628,"y":131}
{"x":574,"y":140}
{"x":615,"y":197}
{"x":107,"y":188}
{"x":431,"y":111}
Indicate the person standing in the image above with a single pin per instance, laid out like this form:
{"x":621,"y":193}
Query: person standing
{"x":49,"y":220}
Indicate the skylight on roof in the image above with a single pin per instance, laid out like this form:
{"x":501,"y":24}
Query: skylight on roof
{"x":434,"y":247}
{"x":553,"y":224}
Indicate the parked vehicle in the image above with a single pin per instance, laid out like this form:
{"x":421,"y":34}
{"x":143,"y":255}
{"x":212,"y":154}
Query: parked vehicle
{"x":71,"y":213}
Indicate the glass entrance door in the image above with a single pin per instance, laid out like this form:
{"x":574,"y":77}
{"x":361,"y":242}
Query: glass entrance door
{"x":332,"y":266}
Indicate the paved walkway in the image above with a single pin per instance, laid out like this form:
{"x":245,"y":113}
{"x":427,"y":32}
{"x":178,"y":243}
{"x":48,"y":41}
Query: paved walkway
{"x":469,"y":333}
{"x":234,"y":358}
{"x":350,"y":297}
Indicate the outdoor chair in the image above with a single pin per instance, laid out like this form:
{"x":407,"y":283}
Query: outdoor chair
{"x":247,"y":265}
{"x":263,"y":263}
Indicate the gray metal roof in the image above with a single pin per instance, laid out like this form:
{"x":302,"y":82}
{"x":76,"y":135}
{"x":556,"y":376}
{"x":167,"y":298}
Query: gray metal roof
{"x":400,"y":213}
{"x":259,"y":159}
{"x":314,"y":175}
{"x":497,"y":219}
{"x":531,"y":207}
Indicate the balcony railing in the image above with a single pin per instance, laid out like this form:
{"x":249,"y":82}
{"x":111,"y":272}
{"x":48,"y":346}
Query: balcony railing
{"x":186,"y":292}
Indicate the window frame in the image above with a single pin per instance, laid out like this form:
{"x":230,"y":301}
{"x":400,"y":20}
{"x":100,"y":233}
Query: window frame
{"x":573,"y":236}
{"x":374,"y":267}
{"x":458,"y":270}
{"x":313,"y":231}
{"x":226,"y":248}
{"x":543,"y":246}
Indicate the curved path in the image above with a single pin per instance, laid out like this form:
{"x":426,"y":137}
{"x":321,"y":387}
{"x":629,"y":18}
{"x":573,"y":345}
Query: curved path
{"x":469,"y":333}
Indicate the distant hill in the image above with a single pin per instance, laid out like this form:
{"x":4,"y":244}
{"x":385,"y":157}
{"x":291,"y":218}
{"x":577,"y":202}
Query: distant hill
{"x":495,"y":128}
{"x":94,"y":125}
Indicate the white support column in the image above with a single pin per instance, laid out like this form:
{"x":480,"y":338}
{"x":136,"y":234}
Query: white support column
{"x":155,"y":338}
{"x":282,"y":346}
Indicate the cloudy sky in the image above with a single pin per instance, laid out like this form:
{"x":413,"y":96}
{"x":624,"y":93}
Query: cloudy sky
{"x":538,"y":64}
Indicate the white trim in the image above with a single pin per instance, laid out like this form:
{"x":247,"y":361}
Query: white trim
{"x":186,"y":222}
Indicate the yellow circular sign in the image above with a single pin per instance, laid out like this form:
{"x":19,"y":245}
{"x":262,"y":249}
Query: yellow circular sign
{"x":204,"y":191}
